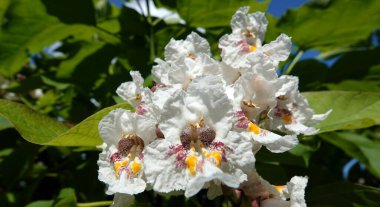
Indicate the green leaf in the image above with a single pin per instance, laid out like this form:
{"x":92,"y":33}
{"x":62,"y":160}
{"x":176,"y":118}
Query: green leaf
{"x":86,"y":132}
{"x":34,"y":127}
{"x":343,"y":194}
{"x":40,"y":204}
{"x":357,"y":146}
{"x":328,"y":24}
{"x":66,"y":198}
{"x":214,"y":13}
{"x":80,"y":11}
{"x":41,"y":129}
{"x":4,"y":124}
{"x":29,"y":28}
{"x":351,"y":110}
{"x":311,"y":74}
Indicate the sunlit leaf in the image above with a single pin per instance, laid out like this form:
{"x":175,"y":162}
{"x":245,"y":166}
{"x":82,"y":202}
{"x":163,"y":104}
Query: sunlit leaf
{"x":41,"y":129}
{"x":351,"y":110}
{"x":214,"y":13}
{"x":86,"y":132}
{"x":34,"y":127}
{"x":328,"y":24}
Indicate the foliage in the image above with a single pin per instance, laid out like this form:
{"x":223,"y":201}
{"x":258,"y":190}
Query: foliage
{"x":54,"y":96}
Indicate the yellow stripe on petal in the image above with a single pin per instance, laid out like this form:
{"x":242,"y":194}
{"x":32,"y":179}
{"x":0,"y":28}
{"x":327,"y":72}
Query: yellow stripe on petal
{"x":191,"y":163}
{"x":136,"y":167}
{"x":252,"y":48}
{"x":253,"y":128}
{"x":216,"y":156}
{"x":118,"y":165}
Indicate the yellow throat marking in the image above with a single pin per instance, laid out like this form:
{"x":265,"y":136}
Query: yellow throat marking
{"x":191,"y":163}
{"x":253,"y":128}
{"x":252,"y":48}
{"x":118,"y":165}
{"x":136,"y":167}
{"x":216,"y":156}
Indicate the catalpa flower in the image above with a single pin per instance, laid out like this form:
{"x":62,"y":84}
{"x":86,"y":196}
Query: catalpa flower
{"x":254,"y":98}
{"x":263,"y":194}
{"x":131,"y":91}
{"x":191,"y":47}
{"x":181,"y":72}
{"x":262,"y":66}
{"x":125,"y":135}
{"x":185,"y":60}
{"x":199,"y":150}
{"x":248,"y":31}
{"x":292,"y":112}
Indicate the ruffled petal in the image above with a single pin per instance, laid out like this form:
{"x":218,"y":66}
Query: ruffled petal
{"x":111,"y":127}
{"x":296,"y":188}
{"x":278,"y":50}
{"x":207,"y":97}
{"x":191,"y":47}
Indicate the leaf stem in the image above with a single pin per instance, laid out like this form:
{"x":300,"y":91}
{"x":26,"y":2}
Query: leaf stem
{"x":294,"y":61}
{"x":95,"y":204}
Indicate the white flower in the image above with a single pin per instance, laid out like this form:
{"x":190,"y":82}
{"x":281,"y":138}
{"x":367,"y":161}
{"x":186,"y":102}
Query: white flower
{"x":292,"y":195}
{"x":191,"y":47}
{"x":292,"y":112}
{"x":198,"y":147}
{"x":248,"y":31}
{"x":262,"y":66}
{"x":131,"y":91}
{"x":251,"y":26}
{"x":183,"y":70}
{"x":263,"y":194}
{"x":254,"y":97}
{"x":121,"y":162}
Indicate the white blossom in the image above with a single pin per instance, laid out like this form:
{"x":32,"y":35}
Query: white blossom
{"x":121,"y":162}
{"x":198,"y":147}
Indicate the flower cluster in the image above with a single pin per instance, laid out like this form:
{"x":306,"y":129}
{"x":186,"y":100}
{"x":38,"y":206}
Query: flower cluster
{"x":201,"y":124}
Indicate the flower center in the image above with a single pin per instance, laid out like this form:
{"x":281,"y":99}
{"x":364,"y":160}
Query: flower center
{"x":129,"y":153}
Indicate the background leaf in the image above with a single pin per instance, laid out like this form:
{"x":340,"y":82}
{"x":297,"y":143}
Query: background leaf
{"x":214,"y":13}
{"x":329,"y":24}
{"x":357,"y":146}
{"x":343,"y":194}
{"x":351,"y":110}
{"x":41,"y":129}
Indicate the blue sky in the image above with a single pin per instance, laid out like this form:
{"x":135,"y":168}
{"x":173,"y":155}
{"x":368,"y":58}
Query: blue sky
{"x":278,"y":7}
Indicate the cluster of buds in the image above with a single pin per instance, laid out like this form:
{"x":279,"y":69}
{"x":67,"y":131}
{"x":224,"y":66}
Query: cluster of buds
{"x":202,"y":123}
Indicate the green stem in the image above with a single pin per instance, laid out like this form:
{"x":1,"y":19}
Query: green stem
{"x":294,"y":61}
{"x":95,"y":204}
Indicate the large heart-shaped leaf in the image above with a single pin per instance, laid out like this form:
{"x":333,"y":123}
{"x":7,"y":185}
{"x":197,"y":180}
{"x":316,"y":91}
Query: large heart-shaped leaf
{"x":41,"y":129}
{"x":330,"y":24}
{"x":351,"y":110}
